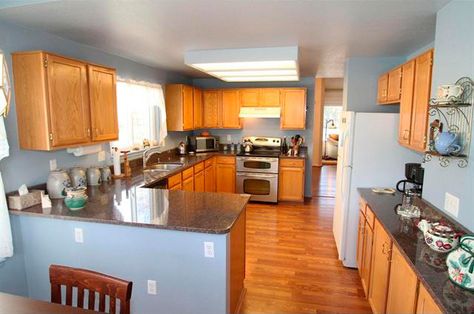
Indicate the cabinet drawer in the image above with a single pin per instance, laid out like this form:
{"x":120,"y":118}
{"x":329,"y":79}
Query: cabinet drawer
{"x":209,"y":162}
{"x":369,"y":214}
{"x":188,"y":173}
{"x":225,"y":160}
{"x":299,"y":163}
{"x":174,"y":180}
{"x":199,"y":167}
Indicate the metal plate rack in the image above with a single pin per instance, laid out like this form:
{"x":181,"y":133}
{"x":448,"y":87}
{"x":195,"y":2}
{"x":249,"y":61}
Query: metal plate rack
{"x":452,"y":115}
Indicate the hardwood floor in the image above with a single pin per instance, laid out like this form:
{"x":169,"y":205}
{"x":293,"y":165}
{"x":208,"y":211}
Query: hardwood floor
{"x":292,"y":264}
{"x":324,"y":181}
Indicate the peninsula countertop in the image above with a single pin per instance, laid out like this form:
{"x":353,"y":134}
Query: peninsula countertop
{"x":429,"y":265}
{"x":127,"y":202}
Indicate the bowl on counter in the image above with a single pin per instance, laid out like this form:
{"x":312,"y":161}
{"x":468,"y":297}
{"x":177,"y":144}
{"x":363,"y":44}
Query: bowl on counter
{"x":76,"y":198}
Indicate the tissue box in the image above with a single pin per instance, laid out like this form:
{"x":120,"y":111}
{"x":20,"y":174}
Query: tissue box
{"x":24,"y":201}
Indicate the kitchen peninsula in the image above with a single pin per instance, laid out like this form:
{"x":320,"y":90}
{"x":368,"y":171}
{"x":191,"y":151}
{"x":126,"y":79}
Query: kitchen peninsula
{"x":142,"y":234}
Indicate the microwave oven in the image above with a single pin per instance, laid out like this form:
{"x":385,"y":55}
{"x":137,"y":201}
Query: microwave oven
{"x":200,"y":144}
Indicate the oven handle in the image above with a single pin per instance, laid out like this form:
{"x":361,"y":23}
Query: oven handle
{"x":261,"y":159}
{"x":256,"y":175}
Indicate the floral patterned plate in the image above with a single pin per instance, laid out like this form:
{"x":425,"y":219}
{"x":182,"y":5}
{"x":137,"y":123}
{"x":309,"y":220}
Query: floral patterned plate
{"x":461,"y":263}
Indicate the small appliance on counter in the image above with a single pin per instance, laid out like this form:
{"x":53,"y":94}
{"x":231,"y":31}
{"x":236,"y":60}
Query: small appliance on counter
{"x":414,"y":174}
{"x":202,"y":144}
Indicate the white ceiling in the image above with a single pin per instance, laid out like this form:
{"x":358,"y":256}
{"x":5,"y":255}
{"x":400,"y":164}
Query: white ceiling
{"x":158,"y":32}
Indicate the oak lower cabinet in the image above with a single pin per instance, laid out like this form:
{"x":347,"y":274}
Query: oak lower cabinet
{"x":199,"y":181}
{"x":291,"y":180}
{"x":210,"y":175}
{"x":403,"y":285}
{"x":175,"y":182}
{"x":225,"y":174}
{"x":425,"y":303}
{"x":63,"y":102}
{"x":179,"y":107}
{"x":366,"y":258}
{"x":380,"y":269}
{"x":293,"y":109}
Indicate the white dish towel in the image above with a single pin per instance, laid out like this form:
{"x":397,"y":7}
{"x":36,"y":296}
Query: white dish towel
{"x":6,"y":243}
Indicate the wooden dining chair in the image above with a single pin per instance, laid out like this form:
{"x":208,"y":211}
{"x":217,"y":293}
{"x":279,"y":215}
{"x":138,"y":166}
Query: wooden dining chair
{"x":93,"y":282}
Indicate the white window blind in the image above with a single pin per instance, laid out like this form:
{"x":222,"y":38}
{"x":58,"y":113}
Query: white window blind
{"x":141,"y":114}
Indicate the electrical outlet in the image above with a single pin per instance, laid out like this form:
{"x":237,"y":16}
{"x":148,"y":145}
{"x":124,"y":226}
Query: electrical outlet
{"x":53,"y":165}
{"x":209,"y":249}
{"x":151,"y":284}
{"x":229,"y":138}
{"x":101,"y":156}
{"x":451,"y":204}
{"x":78,"y":235}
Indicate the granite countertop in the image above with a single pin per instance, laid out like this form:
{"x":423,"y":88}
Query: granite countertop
{"x":429,"y":265}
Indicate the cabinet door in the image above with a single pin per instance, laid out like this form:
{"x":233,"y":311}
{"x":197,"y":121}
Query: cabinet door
{"x":225,"y":178}
{"x":176,"y":187}
{"x":380,"y":269}
{"x":403,"y":284}
{"x":291,"y":184}
{"x":210,"y":108}
{"x":188,"y":108}
{"x":269,"y":97}
{"x":382,"y":89}
{"x":367,"y":258}
{"x":406,"y":102}
{"x":293,"y":109}
{"x":103,"y":103}
{"x":421,"y":96}
{"x":197,"y":101}
{"x":360,"y":242}
{"x":249,"y":97}
{"x":230,"y":109}
{"x":199,"y":182}
{"x":188,"y":184}
{"x":68,"y":101}
{"x":426,"y":304}
{"x":394,"y":85}
{"x":210,"y":178}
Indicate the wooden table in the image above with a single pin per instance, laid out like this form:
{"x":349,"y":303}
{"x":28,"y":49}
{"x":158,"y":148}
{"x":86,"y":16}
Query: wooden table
{"x":12,"y":304}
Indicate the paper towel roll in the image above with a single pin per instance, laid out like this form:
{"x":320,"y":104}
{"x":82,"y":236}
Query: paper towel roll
{"x":116,"y":156}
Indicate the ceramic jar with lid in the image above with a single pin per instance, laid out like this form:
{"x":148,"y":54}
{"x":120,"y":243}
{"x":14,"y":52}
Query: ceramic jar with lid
{"x":106,"y":174}
{"x":94,"y":176}
{"x":78,"y":177}
{"x":58,"y":181}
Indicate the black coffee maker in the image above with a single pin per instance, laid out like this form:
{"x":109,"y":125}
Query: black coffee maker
{"x":414,"y":174}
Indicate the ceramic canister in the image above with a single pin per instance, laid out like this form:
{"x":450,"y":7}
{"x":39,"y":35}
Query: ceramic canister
{"x":93,"y":176}
{"x":58,"y":181}
{"x":78,"y":177}
{"x":106,"y":174}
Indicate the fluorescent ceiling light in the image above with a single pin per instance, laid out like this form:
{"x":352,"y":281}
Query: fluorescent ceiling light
{"x":247,"y":65}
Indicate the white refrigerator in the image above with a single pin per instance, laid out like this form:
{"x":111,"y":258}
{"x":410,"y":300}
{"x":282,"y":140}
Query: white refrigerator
{"x":368,"y":156}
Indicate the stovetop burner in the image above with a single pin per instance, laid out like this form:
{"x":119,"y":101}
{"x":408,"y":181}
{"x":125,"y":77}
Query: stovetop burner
{"x":263,"y":146}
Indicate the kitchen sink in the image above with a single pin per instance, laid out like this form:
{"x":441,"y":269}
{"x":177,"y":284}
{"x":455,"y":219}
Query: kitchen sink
{"x":164,"y":166}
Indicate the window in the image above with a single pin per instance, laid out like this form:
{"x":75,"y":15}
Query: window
{"x":141,"y":115}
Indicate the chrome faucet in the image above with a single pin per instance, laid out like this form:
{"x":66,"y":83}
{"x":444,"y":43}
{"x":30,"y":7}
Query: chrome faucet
{"x":147,"y":153}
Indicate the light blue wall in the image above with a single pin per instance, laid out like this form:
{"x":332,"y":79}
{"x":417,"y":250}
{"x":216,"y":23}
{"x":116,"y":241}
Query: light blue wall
{"x":270,"y":127}
{"x":361,"y":80}
{"x":453,"y":58}
{"x":32,"y":167}
{"x":187,"y":282}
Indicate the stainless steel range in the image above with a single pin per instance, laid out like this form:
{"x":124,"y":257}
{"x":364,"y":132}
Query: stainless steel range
{"x":257,"y":171}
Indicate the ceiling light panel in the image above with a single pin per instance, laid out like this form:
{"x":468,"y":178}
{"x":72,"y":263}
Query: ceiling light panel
{"x":254,"y":73}
{"x":260,"y":78}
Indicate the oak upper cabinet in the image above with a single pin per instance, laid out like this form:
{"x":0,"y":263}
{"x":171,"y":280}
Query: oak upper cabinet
{"x":103,"y":103}
{"x":210,"y":175}
{"x":394,"y":85}
{"x":380,"y":268}
{"x":421,"y":96}
{"x":210,"y":105}
{"x":230,"y":109}
{"x":55,"y":101}
{"x":225,"y":174}
{"x":249,"y":97}
{"x":198,"y":110}
{"x":406,"y":102}
{"x":382,"y":89}
{"x":293,"y":109}
{"x":425,"y":303}
{"x":269,"y":97}
{"x":179,"y":107}
{"x":403,"y":285}
{"x":291,"y":180}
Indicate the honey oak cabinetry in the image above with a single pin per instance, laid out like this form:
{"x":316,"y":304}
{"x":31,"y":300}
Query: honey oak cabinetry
{"x":210,"y":108}
{"x":175,"y":182}
{"x":389,"y":87}
{"x":179,"y":107}
{"x":199,"y":178}
{"x":63,"y":102}
{"x":188,"y":179}
{"x":260,"y":97}
{"x":406,"y":103}
{"x":425,"y":303}
{"x":291,"y":180}
{"x":229,"y":110}
{"x":364,"y":245}
{"x":382,"y":89}
{"x":225,"y":174}
{"x":293,"y":109}
{"x":210,"y":175}
{"x":198,"y":110}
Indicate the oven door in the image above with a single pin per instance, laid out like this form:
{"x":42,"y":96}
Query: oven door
{"x":257,"y":164}
{"x":263,"y":187}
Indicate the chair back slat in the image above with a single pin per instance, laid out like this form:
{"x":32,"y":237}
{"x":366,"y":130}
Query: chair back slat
{"x":94,"y":282}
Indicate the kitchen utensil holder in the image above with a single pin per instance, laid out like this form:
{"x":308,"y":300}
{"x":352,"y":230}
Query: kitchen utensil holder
{"x":456,"y":115}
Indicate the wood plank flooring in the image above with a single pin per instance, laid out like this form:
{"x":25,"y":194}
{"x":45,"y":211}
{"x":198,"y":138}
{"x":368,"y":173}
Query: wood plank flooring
{"x":324,"y":181}
{"x":292,"y":264}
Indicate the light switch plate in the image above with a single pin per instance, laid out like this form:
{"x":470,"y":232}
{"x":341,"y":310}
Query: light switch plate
{"x":53,"y":165}
{"x":209,"y":249}
{"x":78,"y":235}
{"x":229,"y":138}
{"x":151,"y":286}
{"x":451,"y":204}
{"x":101,"y":156}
